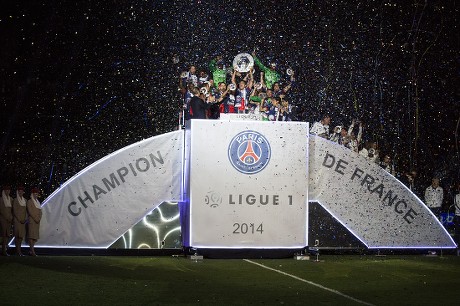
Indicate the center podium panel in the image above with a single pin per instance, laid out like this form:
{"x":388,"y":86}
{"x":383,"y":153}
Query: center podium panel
{"x":248,"y":184}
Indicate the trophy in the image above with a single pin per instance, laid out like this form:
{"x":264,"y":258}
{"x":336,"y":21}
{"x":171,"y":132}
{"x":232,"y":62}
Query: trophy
{"x":243,"y":62}
{"x":258,"y":86}
{"x":232,"y":87}
{"x":289,"y":71}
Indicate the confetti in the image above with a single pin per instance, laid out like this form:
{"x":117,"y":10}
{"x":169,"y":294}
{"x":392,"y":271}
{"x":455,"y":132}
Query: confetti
{"x":81,"y":80}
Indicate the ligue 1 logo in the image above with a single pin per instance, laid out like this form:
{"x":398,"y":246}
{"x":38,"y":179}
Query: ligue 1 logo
{"x":249,"y":152}
{"x":213,"y":199}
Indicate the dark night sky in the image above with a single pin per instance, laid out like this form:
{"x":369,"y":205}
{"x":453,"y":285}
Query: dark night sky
{"x":82,"y":79}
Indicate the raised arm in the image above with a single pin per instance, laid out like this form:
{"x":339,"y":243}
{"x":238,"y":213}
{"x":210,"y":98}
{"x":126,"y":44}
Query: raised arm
{"x":234,"y":77}
{"x":250,"y":78}
{"x":259,"y":63}
{"x":360,"y":132}
{"x":291,"y":83}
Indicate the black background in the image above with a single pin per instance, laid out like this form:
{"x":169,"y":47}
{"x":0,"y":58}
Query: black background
{"x":81,"y":79}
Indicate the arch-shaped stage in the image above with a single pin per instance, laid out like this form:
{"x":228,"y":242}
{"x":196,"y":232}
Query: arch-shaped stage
{"x":100,"y":203}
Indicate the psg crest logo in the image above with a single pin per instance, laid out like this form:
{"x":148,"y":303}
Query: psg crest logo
{"x":249,"y":152}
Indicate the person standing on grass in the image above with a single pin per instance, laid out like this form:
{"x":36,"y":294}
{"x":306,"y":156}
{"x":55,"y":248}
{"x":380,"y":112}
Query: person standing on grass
{"x":19,"y":219}
{"x":34,"y":211}
{"x":6,"y":217}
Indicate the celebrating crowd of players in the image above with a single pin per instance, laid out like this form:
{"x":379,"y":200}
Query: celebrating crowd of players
{"x":208,"y":93}
{"x":263,"y":91}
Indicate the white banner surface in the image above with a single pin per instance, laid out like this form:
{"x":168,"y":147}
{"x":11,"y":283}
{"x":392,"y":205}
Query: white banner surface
{"x":377,"y":208}
{"x":248,"y":184}
{"x":99,"y":204}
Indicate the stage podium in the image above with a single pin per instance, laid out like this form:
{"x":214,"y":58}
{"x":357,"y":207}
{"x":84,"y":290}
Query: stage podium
{"x":241,"y":184}
{"x":245,"y":184}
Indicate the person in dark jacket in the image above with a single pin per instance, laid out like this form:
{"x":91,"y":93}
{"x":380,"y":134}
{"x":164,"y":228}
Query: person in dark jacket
{"x":198,"y":106}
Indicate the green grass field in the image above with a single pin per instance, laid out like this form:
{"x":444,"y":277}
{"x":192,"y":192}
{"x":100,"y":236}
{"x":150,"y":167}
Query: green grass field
{"x":335,"y":280}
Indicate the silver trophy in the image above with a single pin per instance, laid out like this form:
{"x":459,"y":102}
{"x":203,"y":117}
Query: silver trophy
{"x":243,"y":62}
{"x":289,"y":71}
{"x":232,"y":87}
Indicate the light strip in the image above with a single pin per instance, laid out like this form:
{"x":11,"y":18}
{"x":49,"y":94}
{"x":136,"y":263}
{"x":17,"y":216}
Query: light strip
{"x":385,"y":247}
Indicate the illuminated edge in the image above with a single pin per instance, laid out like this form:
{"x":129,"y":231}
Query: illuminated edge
{"x":387,"y":247}
{"x":88,"y":168}
{"x":422,"y":205}
{"x":261,"y":247}
{"x":242,"y":247}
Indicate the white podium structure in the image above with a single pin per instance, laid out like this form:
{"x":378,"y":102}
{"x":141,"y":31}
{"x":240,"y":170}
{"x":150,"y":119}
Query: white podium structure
{"x":241,"y":184}
{"x":247,"y":184}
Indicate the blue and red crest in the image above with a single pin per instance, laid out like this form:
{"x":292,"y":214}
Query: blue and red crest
{"x":249,"y":152}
